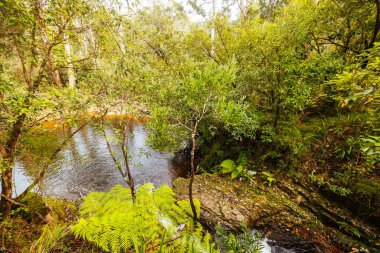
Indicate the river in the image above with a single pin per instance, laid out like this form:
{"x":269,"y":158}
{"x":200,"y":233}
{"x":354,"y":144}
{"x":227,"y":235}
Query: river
{"x":85,"y":164}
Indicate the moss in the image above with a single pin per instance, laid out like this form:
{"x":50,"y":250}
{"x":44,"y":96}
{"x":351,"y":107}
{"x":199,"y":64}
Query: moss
{"x":61,"y":210}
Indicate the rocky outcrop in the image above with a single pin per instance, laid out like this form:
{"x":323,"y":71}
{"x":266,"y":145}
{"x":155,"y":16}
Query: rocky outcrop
{"x":287,"y":213}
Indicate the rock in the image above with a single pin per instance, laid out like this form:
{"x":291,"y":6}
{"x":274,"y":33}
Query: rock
{"x":232,"y":204}
{"x":282,"y":211}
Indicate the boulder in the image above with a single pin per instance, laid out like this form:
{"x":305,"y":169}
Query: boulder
{"x":287,"y":213}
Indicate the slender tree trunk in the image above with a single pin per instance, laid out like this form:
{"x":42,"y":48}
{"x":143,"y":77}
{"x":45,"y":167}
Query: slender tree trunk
{"x":131,"y":181}
{"x":376,"y":30}
{"x":192,"y":175}
{"x":46,"y":42}
{"x":212,"y":52}
{"x":277,"y":116}
{"x":124,"y":147}
{"x":377,"y":25}
{"x":127,"y":175}
{"x":70,"y":70}
{"x":9,"y":148}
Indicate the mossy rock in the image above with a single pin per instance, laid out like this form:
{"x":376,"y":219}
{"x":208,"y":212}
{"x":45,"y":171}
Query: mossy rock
{"x":285,"y":210}
{"x":231,"y":204}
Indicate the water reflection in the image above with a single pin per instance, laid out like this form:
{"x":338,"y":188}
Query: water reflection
{"x":85,"y":164}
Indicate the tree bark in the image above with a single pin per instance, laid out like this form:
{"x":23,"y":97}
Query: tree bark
{"x":192,"y":175}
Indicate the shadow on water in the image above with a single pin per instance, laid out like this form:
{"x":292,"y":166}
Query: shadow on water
{"x":85,"y":164}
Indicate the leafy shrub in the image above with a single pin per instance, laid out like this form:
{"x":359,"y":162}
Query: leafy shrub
{"x":156,"y":221}
{"x":237,"y":171}
{"x":268,"y":177}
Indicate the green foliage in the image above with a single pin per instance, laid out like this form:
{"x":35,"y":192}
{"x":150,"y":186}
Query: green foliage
{"x":155,"y":221}
{"x":193,"y":98}
{"x":268,"y":177}
{"x":228,"y":166}
{"x":236,"y":171}
{"x":245,"y":242}
{"x":294,"y":84}
{"x":370,"y":146}
{"x":357,"y":87}
{"x":238,"y":119}
{"x":339,"y":190}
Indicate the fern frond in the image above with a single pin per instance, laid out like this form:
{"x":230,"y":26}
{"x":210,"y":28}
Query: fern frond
{"x":114,"y":223}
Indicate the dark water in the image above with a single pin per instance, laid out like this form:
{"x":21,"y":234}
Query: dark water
{"x":85,"y":164}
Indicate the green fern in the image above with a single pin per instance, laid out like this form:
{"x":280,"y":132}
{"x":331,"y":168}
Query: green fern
{"x":156,"y":222}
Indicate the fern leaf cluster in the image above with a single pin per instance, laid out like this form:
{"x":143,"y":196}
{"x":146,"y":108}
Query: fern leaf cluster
{"x":155,"y":222}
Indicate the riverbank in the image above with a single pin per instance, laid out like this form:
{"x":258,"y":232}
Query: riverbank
{"x":289,"y":215}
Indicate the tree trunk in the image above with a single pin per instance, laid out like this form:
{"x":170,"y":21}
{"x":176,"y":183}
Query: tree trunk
{"x":130,"y":182}
{"x":70,"y":70}
{"x":45,"y":39}
{"x":192,"y":175}
{"x":212,"y":51}
{"x":6,"y":189}
{"x":377,"y":25}
{"x":277,"y":116}
{"x":8,"y":161}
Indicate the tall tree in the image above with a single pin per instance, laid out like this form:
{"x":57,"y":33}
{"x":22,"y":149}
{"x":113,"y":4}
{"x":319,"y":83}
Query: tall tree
{"x":184,"y":107}
{"x":31,"y":87}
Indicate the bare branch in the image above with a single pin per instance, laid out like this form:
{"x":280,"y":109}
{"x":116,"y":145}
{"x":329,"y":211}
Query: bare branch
{"x":183,"y":125}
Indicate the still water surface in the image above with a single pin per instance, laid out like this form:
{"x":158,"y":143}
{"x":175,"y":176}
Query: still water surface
{"x":85,"y":164}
